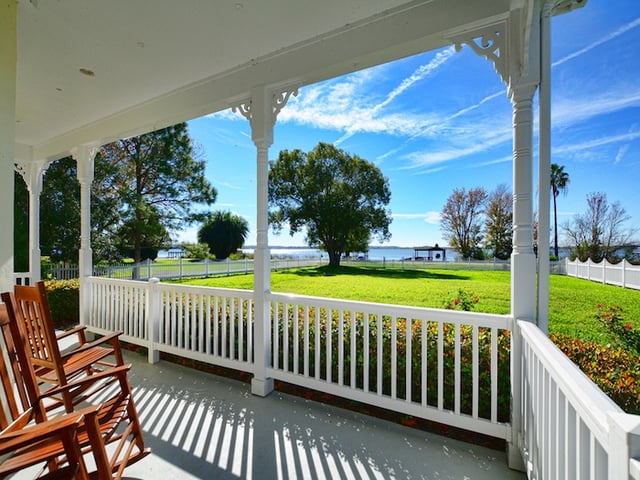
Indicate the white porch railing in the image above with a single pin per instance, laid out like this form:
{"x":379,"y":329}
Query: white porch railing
{"x":440,"y":365}
{"x":444,"y":366}
{"x":352,"y":349}
{"x":623,"y":274}
{"x":571,"y":429}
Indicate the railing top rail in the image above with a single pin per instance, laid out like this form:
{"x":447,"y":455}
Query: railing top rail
{"x":223,"y":292}
{"x":116,"y":281}
{"x":174,"y":287}
{"x":591,"y":404}
{"x":433,"y":314}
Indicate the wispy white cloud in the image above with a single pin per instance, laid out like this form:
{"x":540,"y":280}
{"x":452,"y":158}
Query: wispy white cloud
{"x":345,"y":106}
{"x":616,"y":33}
{"x":225,"y":184}
{"x":430,"y":217}
{"x":440,"y":125}
{"x":578,"y":109}
{"x":597,"y":142}
{"x":470,"y":146}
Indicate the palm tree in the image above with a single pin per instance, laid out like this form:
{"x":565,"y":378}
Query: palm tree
{"x":224,"y":232}
{"x":559,"y":182}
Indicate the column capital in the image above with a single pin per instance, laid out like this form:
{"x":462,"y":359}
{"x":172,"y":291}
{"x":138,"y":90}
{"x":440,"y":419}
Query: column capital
{"x":32,"y":173}
{"x":262,"y":109}
{"x":84,"y":156}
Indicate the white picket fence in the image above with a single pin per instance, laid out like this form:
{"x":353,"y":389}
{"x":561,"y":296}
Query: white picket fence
{"x":623,"y":274}
{"x":444,"y":366}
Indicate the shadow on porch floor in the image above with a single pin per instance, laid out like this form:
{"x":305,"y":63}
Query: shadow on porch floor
{"x":202,"y":426}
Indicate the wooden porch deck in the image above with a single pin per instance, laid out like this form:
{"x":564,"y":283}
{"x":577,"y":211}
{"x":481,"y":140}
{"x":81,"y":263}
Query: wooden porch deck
{"x":205,"y":426}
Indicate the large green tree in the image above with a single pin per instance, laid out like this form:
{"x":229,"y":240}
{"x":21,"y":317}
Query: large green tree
{"x":559,"y":183}
{"x":159,"y":180}
{"x":21,"y":225}
{"x":461,"y":220}
{"x":60,"y":211}
{"x":224,"y":233}
{"x":339,"y":199}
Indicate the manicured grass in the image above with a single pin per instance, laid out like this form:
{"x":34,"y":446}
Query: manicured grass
{"x":573,"y":302}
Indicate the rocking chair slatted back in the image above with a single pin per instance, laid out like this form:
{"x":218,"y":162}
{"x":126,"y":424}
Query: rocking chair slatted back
{"x":50,"y":444}
{"x":51,"y":366}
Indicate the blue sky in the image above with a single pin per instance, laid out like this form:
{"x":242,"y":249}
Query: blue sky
{"x":442,"y":120}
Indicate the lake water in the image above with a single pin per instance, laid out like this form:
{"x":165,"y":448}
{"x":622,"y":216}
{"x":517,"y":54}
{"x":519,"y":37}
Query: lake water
{"x":375,"y":253}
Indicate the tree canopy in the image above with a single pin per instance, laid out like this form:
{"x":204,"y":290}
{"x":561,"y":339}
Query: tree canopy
{"x":224,"y":233}
{"x":461,"y":220}
{"x":499,"y":222}
{"x":338,"y":199}
{"x":159,"y":181}
{"x":598,"y":232}
{"x":143,"y":188}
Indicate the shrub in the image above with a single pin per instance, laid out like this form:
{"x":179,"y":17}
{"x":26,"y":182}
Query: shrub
{"x":628,"y":337}
{"x":64,"y":300}
{"x":615,"y":371}
{"x":465,"y":301}
{"x":196,"y":250}
{"x":317,"y":360}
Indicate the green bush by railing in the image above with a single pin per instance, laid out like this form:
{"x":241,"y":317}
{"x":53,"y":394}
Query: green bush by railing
{"x":615,"y":371}
{"x":296,"y":320}
{"x":64,"y":300}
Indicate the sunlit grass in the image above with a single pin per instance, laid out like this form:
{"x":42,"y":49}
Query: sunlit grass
{"x":572,"y":306}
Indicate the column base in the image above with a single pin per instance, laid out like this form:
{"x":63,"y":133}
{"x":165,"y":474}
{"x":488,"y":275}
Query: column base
{"x":514,"y":458}
{"x":262,"y":387}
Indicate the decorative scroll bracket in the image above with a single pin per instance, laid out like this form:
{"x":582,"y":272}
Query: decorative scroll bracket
{"x":278,"y":100}
{"x":261,"y":109}
{"x":32,"y":174}
{"x":489,"y":42}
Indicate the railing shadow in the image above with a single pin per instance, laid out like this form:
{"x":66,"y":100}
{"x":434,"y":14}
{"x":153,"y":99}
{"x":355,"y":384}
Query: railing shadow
{"x":202,"y":426}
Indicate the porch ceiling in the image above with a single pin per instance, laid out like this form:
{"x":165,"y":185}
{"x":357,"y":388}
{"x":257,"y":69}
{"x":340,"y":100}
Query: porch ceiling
{"x":151,"y":64}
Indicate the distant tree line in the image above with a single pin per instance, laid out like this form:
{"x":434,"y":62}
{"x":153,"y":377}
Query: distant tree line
{"x":475,"y":221}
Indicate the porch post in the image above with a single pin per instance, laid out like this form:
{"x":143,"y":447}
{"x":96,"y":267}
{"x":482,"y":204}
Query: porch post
{"x":84,"y":156}
{"x":544,"y":166}
{"x":261,"y":111}
{"x":523,"y":261}
{"x":32,"y":173}
{"x":8,"y":67}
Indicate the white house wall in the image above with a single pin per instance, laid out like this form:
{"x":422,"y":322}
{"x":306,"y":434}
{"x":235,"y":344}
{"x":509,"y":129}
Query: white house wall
{"x":8,"y":57}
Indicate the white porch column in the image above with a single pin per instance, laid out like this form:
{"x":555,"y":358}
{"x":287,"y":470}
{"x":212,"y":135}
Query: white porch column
{"x":84,"y":156}
{"x":523,"y":260}
{"x":8,"y":65}
{"x":544,"y":166}
{"x":32,"y":173}
{"x":261,"y":111}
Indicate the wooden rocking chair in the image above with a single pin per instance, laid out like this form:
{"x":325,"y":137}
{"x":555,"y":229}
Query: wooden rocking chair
{"x":110,"y":429}
{"x":23,"y":443}
{"x":32,"y":312}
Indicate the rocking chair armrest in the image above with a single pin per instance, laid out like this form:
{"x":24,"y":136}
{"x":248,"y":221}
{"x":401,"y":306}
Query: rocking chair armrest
{"x":118,"y":371}
{"x":112,"y":338}
{"x":31,"y":434}
{"x":77,"y":330}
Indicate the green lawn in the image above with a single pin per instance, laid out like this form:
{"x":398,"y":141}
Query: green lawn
{"x":573,"y":302}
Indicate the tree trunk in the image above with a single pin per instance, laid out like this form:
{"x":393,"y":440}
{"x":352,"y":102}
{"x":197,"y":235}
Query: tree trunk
{"x":555,"y":228}
{"x":334,"y":259}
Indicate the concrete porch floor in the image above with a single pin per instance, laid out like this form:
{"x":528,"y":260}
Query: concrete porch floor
{"x":204,"y":426}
